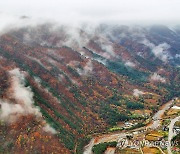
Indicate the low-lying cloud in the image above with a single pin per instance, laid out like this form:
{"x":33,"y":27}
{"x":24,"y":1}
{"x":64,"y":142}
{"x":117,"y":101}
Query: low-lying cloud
{"x":127,"y":11}
{"x":10,"y":112}
{"x":23,"y":104}
{"x":157,"y":77}
{"x":23,"y":96}
{"x":130,"y":64}
{"x":87,"y":69}
{"x":47,"y":128}
{"x":160,"y":51}
{"x":137,"y":92}
{"x":107,"y":47}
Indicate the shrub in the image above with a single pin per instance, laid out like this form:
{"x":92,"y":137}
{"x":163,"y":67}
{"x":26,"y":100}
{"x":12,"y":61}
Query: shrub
{"x":101,"y":147}
{"x":134,"y":105}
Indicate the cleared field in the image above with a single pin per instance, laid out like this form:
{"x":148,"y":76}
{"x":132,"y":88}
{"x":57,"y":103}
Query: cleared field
{"x":151,"y":150}
{"x":154,"y":136}
{"x":127,"y":151}
{"x":173,"y":111}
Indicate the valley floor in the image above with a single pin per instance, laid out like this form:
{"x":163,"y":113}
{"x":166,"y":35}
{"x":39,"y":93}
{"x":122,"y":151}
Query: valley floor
{"x":155,"y":126}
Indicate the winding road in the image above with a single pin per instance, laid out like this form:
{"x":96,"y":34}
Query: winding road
{"x":171,"y":133}
{"x":102,"y":139}
{"x":156,"y":123}
{"x":116,"y":136}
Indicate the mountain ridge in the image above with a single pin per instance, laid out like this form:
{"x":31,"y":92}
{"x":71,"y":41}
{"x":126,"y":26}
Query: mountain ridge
{"x":84,"y":82}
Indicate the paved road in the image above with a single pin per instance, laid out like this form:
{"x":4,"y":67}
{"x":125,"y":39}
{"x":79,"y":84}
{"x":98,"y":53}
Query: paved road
{"x":88,"y":148}
{"x":171,"y":133}
{"x":116,"y":136}
{"x":158,"y":115}
{"x":102,"y":139}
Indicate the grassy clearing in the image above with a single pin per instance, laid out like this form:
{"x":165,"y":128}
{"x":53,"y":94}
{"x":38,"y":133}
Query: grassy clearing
{"x":115,"y":128}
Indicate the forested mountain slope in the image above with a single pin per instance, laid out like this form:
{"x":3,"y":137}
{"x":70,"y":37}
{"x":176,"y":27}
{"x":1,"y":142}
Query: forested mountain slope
{"x":60,"y":84}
